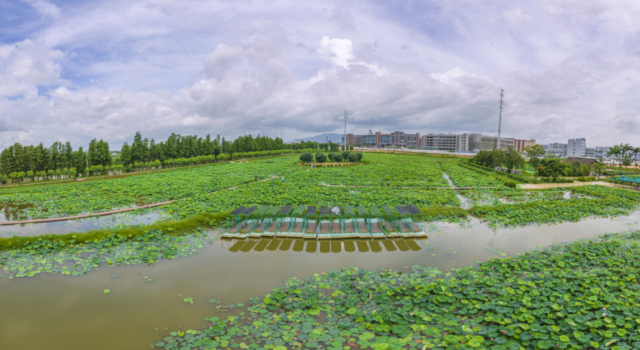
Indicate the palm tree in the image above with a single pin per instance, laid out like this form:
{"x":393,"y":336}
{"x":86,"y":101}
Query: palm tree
{"x":635,"y":153}
{"x":615,"y":151}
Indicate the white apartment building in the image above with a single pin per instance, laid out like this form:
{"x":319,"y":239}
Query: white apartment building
{"x":559,"y":149}
{"x":577,"y":147}
{"x":446,"y":142}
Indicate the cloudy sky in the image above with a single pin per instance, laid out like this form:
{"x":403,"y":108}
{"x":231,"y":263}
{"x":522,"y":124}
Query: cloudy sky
{"x":73,"y":70}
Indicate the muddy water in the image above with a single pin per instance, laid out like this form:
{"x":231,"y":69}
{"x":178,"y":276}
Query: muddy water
{"x":56,"y":312}
{"x":82,"y":225}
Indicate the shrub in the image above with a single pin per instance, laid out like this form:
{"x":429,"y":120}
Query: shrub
{"x":306,"y":157}
{"x":345,"y":155}
{"x":321,"y":157}
{"x":360,"y":155}
{"x":352,"y":157}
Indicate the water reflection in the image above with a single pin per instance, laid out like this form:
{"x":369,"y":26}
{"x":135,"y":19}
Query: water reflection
{"x":82,"y":225}
{"x":335,"y":247}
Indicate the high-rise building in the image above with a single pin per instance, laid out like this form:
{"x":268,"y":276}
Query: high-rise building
{"x":577,"y":147}
{"x":446,"y":142}
{"x":522,"y":144}
{"x":559,"y":149}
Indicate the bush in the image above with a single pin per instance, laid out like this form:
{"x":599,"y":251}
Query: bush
{"x":360,"y":155}
{"x":321,"y":157}
{"x":510,"y":184}
{"x":586,"y":179}
{"x":306,"y":157}
{"x":353,"y":157}
{"x":345,"y":155}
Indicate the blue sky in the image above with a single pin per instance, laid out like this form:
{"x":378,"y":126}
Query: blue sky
{"x":77,"y":70}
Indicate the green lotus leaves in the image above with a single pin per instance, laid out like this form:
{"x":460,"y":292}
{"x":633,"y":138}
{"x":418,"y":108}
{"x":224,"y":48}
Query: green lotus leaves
{"x":106,"y":291}
{"x":564,"y":338}
{"x":188,"y":300}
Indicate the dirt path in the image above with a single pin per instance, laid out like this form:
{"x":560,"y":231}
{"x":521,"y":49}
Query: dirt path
{"x":554,"y":185}
{"x":104,"y":213}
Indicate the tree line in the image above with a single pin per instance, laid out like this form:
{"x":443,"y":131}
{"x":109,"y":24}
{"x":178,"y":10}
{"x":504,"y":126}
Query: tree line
{"x":18,"y":162}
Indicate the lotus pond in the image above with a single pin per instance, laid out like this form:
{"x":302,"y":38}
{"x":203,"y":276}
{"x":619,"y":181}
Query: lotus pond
{"x":117,"y":294}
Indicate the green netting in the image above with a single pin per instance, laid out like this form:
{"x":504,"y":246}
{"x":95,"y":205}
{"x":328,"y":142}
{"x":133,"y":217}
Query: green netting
{"x":273,"y":211}
{"x":349,"y":212}
{"x":362,"y":210}
{"x":260,"y":212}
{"x":388,"y":209}
{"x":375,"y":211}
{"x":298,"y":211}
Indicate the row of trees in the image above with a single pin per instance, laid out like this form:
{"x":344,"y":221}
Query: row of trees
{"x":37,"y":159}
{"x":177,"y":146}
{"x":334,"y":157}
{"x":55,"y":162}
{"x":497,"y":158}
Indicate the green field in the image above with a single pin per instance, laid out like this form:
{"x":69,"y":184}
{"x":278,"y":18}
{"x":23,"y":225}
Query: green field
{"x":387,"y":179}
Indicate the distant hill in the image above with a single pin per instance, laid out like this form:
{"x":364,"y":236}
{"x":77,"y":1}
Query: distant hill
{"x":322,"y":138}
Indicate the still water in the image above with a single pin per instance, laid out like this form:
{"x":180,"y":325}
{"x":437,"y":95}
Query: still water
{"x":72,"y":313}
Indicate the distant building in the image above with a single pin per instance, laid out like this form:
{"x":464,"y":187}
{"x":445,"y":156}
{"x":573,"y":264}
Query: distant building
{"x":446,"y":142}
{"x":398,"y":139}
{"x":479,"y":142}
{"x":522,"y":144}
{"x":559,"y":149}
{"x":590,"y":153}
{"x":577,"y":147}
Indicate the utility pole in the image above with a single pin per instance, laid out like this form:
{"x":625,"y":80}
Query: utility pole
{"x":500,"y":121}
{"x":345,"y":130}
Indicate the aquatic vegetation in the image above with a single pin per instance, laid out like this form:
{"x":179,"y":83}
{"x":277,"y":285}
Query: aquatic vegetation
{"x":279,"y":193}
{"x":72,"y":259}
{"x":579,"y":295}
{"x":590,"y":201}
{"x":463,"y":177}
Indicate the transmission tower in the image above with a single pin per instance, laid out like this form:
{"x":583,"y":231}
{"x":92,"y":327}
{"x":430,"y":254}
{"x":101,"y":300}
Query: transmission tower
{"x":500,"y":120}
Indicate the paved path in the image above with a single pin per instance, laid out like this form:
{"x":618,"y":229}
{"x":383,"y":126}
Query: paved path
{"x":554,"y":185}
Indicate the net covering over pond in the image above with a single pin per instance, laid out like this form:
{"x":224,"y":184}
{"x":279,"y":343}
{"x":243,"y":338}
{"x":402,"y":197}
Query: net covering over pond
{"x":402,"y":210}
{"x":286,"y":209}
{"x":362,"y":210}
{"x":260,"y":212}
{"x":388,"y":210}
{"x":298,"y":211}
{"x":250,"y":210}
{"x":375,"y":211}
{"x":413,"y":209}
{"x":238,"y":210}
{"x":349,"y":212}
{"x":312,"y":211}
{"x":325,"y":210}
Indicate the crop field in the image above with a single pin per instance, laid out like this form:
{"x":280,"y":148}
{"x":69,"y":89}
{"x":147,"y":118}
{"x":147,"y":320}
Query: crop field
{"x":418,"y":180}
{"x":462,"y":177}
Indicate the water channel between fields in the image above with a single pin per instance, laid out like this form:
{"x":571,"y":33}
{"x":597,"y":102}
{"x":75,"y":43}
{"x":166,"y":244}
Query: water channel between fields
{"x":72,"y":313}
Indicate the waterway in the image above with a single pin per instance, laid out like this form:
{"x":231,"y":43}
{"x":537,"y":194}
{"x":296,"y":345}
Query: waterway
{"x":72,"y":313}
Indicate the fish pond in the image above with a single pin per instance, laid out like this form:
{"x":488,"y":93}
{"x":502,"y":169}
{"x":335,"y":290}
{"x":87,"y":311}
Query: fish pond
{"x":122,"y":295}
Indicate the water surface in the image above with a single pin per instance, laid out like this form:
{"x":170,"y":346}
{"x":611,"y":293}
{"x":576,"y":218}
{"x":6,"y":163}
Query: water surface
{"x":72,"y":313}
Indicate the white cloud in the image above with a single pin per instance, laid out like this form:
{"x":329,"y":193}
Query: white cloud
{"x":453,"y":73}
{"x":339,"y":51}
{"x":25,"y":65}
{"x":44,"y":7}
{"x":569,"y":69}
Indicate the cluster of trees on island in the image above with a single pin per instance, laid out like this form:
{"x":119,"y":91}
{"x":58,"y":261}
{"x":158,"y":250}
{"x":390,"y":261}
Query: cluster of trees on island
{"x":331,"y":156}
{"x":18,"y":162}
